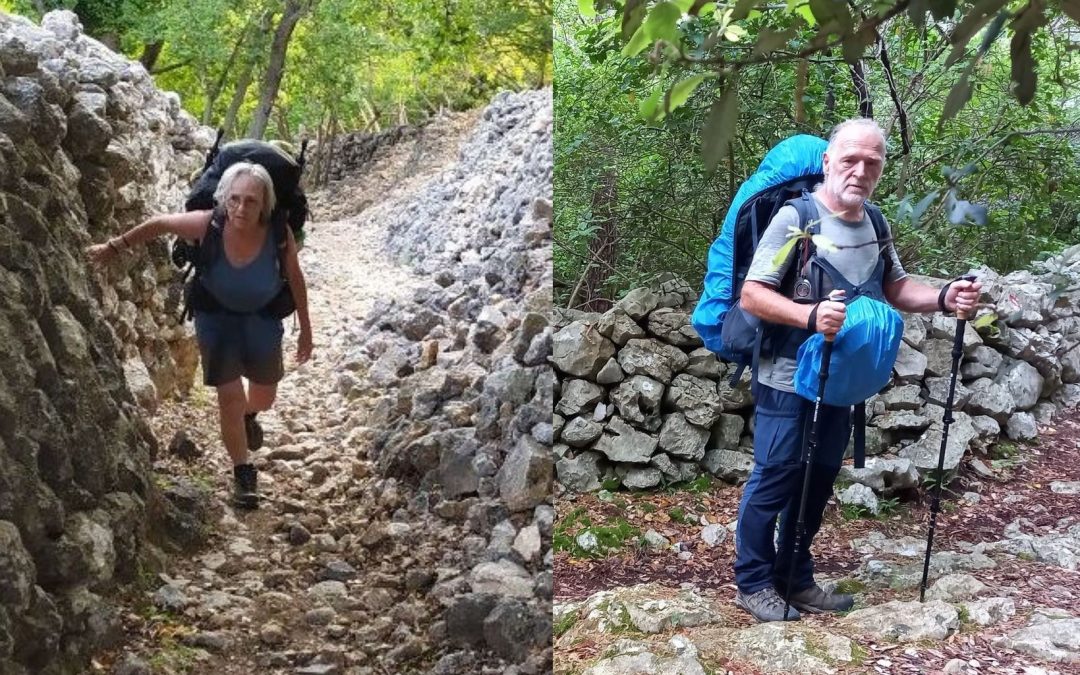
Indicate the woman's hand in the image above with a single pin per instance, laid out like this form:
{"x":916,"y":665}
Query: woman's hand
{"x":99,"y":254}
{"x":303,"y":347}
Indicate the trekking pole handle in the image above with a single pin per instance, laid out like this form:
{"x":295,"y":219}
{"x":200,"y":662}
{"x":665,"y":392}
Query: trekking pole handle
{"x":835,"y":295}
{"x":963,"y":315}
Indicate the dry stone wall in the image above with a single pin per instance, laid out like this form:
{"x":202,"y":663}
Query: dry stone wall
{"x":456,"y":387}
{"x":640,"y":399}
{"x":352,"y":154}
{"x":87,"y":147}
{"x":78,"y":117}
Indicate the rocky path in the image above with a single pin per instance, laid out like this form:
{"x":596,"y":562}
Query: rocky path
{"x":324,"y":578}
{"x":1003,"y":595}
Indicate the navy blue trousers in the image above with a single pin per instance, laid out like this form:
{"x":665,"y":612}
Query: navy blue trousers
{"x":781,"y":424}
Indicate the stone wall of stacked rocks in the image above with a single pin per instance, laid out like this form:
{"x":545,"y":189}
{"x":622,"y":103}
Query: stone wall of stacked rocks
{"x":88,"y":147}
{"x":641,"y":400}
{"x":91,"y":146}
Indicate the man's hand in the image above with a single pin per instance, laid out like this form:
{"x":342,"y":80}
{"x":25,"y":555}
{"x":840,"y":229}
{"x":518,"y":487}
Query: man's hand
{"x":830,"y":314}
{"x":963,"y":297}
{"x":303,"y":347}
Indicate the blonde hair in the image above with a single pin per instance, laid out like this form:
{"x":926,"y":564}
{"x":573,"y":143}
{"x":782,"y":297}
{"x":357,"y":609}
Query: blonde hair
{"x":256,"y":171}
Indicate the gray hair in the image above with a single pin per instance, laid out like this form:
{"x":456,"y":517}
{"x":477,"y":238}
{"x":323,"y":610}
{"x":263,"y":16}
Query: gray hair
{"x":860,"y":123}
{"x":256,"y":171}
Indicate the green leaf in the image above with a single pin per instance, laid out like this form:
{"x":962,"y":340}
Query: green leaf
{"x":586,"y":8}
{"x":659,"y":25}
{"x":971,"y":24}
{"x":633,"y":14}
{"x":680,"y":92}
{"x":637,"y":43}
{"x":701,"y":7}
{"x":649,"y":108}
{"x":916,"y":11}
{"x":855,"y":45}
{"x":903,"y":210}
{"x":807,"y":14}
{"x":827,"y":10}
{"x":785,"y":251}
{"x":742,"y":9}
{"x":734,"y":33}
{"x":683,"y":5}
{"x":923,"y":204}
{"x":662,"y":22}
{"x":992,"y":31}
{"x":770,"y":40}
{"x":824,"y":243}
{"x":963,"y":212}
{"x":720,"y":127}
{"x":958,"y":96}
{"x":1023,"y":68}
{"x":942,"y":9}
{"x":1030,"y":18}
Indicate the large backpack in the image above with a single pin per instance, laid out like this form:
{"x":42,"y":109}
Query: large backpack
{"x":787,"y":175}
{"x":290,"y":210}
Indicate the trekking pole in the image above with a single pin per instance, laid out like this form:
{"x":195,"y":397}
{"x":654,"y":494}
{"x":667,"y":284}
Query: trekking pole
{"x":947,"y":420}
{"x":808,"y":461}
{"x":212,"y":155}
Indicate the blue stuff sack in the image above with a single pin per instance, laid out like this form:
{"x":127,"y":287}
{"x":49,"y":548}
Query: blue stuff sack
{"x":863,"y":355}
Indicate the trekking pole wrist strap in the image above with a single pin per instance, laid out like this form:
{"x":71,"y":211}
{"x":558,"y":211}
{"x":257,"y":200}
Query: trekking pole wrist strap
{"x":811,"y":321}
{"x":941,"y":298}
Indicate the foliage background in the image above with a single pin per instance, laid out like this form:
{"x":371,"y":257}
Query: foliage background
{"x":634,"y":198}
{"x":349,"y":64}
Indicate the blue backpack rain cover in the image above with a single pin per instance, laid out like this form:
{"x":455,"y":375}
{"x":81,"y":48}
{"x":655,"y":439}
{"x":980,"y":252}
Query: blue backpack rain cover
{"x":862,"y":359}
{"x":791,"y":159}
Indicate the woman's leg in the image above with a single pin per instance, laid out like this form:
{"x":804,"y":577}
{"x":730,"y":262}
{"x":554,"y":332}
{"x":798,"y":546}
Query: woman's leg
{"x":231,"y":406}
{"x":260,"y":397}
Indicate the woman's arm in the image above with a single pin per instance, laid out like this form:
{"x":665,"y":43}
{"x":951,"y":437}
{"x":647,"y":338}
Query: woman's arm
{"x":188,"y":225}
{"x":295,"y":278}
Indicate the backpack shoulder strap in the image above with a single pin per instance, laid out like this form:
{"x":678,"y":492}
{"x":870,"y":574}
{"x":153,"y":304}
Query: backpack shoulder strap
{"x":881,"y":231}
{"x":808,"y":212}
{"x":279,"y":230}
{"x":210,"y":245}
{"x":810,"y":222}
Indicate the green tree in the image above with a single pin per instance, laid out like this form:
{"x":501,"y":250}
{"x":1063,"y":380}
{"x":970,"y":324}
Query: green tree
{"x":273,"y":66}
{"x":684,"y":98}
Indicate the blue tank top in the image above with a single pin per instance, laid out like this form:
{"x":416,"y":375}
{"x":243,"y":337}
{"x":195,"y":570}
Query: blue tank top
{"x":247,"y":288}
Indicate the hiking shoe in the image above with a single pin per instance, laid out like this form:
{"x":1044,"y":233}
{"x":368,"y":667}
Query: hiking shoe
{"x":766,"y":605}
{"x":254,"y":432}
{"x":245,"y":487}
{"x":813,"y":600}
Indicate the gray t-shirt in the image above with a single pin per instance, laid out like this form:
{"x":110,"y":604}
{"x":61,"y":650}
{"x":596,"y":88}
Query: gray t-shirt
{"x":856,"y":264}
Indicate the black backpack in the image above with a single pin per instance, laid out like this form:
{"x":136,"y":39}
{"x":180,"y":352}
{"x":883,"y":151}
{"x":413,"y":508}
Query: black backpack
{"x":289,"y":211}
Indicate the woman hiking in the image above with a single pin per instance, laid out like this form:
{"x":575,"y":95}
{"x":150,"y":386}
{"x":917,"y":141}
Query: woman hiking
{"x":238,"y":337}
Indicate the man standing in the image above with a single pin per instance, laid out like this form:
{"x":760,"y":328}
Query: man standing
{"x":853,"y":163}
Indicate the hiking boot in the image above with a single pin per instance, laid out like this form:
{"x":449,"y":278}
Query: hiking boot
{"x":813,"y":600}
{"x":254,"y":432}
{"x":245,"y":487}
{"x":766,"y":605}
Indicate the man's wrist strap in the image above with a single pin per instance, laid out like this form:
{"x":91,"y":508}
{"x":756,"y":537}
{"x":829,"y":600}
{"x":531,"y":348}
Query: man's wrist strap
{"x":941,"y":298}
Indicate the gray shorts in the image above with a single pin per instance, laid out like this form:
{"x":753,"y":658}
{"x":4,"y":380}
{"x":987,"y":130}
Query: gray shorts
{"x":239,"y":345}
